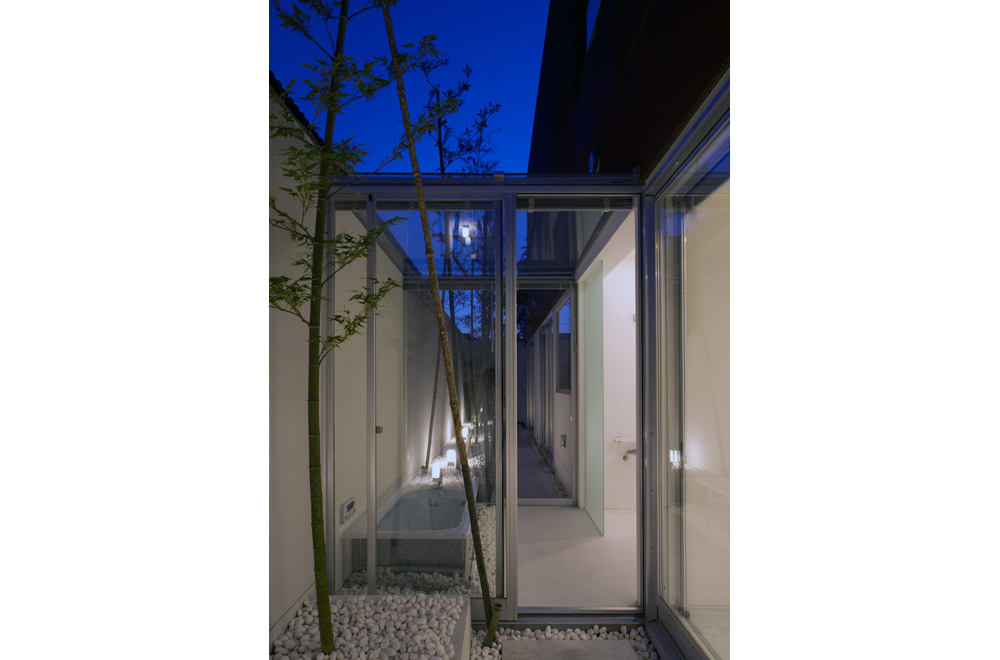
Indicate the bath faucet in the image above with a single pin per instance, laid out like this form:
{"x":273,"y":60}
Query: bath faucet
{"x":630,"y":452}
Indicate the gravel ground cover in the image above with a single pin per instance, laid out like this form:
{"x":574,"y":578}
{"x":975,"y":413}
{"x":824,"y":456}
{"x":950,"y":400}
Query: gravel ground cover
{"x":411,"y":627}
{"x":417,"y":627}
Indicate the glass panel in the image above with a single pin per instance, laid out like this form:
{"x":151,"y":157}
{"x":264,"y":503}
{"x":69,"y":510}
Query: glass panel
{"x":694,"y":255}
{"x":593,"y":369}
{"x":423,"y":536}
{"x":350,"y":420}
{"x":462,"y":233}
{"x":552,"y":232}
{"x":544,"y":461}
{"x":565,"y":361}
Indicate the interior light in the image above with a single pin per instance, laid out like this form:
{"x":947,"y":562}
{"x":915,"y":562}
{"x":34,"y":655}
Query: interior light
{"x":436,"y":471}
{"x":450,"y":457}
{"x":465,"y":231}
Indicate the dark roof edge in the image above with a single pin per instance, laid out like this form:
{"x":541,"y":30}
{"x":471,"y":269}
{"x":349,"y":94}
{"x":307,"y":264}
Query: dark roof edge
{"x":293,"y":108}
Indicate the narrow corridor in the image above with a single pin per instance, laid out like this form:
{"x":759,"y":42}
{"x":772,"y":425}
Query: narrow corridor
{"x":535,"y":478}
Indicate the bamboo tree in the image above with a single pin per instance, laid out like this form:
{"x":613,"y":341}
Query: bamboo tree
{"x":281,"y":290}
{"x":396,"y":69}
{"x":317,"y":170}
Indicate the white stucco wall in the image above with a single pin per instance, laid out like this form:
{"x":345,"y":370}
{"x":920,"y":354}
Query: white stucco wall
{"x":350,"y":369}
{"x":290,"y":544}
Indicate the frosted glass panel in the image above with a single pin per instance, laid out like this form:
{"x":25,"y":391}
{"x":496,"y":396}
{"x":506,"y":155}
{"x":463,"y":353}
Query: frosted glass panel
{"x":593,"y":310}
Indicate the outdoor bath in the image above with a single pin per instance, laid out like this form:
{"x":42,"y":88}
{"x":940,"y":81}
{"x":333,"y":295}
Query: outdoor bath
{"x":422,"y":528}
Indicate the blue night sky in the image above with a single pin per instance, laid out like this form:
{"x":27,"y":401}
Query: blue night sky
{"x":501,"y":41}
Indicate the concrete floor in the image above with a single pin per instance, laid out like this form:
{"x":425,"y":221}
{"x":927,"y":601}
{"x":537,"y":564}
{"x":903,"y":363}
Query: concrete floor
{"x":535,"y":480}
{"x":522,"y":649}
{"x":563,"y":561}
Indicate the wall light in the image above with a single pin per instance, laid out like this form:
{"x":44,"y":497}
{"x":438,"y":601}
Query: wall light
{"x":450,"y":457}
{"x":436,"y":471}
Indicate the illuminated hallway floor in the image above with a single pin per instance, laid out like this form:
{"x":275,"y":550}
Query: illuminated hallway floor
{"x":535,"y":480}
{"x":563,"y":561}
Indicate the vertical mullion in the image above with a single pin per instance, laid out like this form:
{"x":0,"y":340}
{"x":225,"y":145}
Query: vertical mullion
{"x":574,"y":399}
{"x":510,"y":304}
{"x":646,"y":390}
{"x":497,"y":391}
{"x":681,"y":380}
{"x":329,"y":460}
{"x":372,"y":218}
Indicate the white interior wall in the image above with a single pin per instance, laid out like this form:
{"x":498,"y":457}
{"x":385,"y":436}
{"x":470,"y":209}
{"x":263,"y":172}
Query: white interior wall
{"x":536,"y":387}
{"x":619,"y":384}
{"x":290,"y":539}
{"x":618,"y":262}
{"x":561,"y":408}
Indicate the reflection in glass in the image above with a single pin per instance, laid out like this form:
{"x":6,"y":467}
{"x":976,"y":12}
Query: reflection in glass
{"x":694,"y":349}
{"x":554,"y":232}
{"x":462,"y":236}
{"x":423,"y":538}
{"x":564,"y":378}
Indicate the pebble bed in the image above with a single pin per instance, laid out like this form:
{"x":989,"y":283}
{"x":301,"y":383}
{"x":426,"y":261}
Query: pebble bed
{"x":417,"y":627}
{"x":394,"y":627}
{"x":636,"y":637}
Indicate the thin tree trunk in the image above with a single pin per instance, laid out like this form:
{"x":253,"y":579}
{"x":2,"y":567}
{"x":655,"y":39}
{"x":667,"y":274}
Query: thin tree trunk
{"x":315,"y":319}
{"x":437,"y":91}
{"x":442,"y":328}
{"x":434,"y":397}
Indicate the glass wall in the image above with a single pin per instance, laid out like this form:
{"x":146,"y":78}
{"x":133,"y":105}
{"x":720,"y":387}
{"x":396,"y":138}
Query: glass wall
{"x":693,"y":357}
{"x":347,"y":379}
{"x":546,"y":377}
{"x":554,"y":232}
{"x":423,"y":528}
{"x":396,"y":439}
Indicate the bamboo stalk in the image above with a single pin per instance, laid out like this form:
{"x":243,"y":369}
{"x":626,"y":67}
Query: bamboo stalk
{"x":442,"y":326}
{"x":327,"y":644}
{"x":434,"y":396}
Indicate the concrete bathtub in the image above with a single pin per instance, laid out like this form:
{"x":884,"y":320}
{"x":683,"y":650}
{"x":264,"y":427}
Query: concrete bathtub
{"x":423,"y":528}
